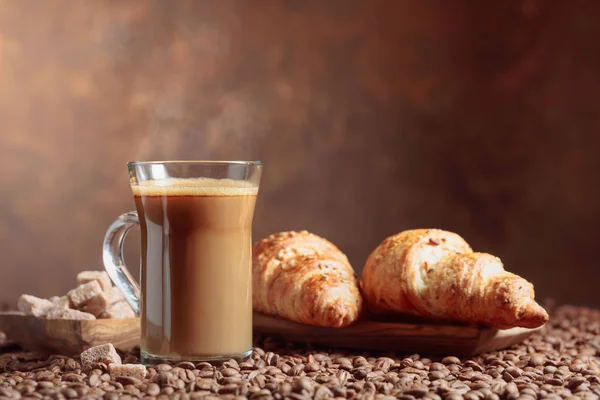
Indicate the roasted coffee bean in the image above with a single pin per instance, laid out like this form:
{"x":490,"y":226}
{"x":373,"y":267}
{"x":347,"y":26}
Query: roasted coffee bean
{"x":272,"y":359}
{"x":311,"y":367}
{"x":127,"y":380}
{"x":69,"y":393}
{"x":473,"y":365}
{"x":558,"y":362}
{"x":44,"y":376}
{"x":453,"y":396}
{"x":418,"y":364}
{"x":360,"y":373}
{"x":554,"y":381}
{"x":229,"y":372}
{"x":246,"y":365}
{"x":296,"y":370}
{"x":417,"y":392}
{"x":302,"y":384}
{"x":167,"y":390}
{"x":450,"y":360}
{"x":435,"y":375}
{"x":359,"y":362}
{"x":186,"y":365}
{"x":536,"y":360}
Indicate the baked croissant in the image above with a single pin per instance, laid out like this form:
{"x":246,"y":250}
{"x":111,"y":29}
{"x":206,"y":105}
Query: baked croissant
{"x":435,"y":274}
{"x":304,"y":278}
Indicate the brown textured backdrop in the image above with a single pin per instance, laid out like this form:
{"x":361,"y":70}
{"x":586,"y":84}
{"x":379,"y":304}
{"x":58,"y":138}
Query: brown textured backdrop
{"x":371,"y":117}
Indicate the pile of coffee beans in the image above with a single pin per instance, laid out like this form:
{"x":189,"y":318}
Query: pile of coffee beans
{"x":563,"y":361}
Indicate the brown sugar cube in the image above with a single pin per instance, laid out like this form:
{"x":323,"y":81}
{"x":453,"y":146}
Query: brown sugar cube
{"x":105,"y":353}
{"x":137,"y":371}
{"x":100,"y":276}
{"x":61,"y":302}
{"x":35,"y":306}
{"x":67,"y":313}
{"x":98,"y":304}
{"x":84,"y":293}
{"x":120,"y":310}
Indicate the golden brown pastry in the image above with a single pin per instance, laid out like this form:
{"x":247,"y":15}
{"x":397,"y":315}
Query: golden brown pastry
{"x":304,"y":278}
{"x":435,"y":274}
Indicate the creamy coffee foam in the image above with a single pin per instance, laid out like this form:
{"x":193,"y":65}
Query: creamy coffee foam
{"x":194,"y":187}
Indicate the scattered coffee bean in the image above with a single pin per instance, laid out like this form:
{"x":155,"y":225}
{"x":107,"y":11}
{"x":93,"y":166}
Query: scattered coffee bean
{"x":559,"y":362}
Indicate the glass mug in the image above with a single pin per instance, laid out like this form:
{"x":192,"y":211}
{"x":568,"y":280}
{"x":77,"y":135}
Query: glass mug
{"x":195,"y":291}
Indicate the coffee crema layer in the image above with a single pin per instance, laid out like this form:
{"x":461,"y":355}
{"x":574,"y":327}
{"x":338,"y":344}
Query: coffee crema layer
{"x":194,"y":187}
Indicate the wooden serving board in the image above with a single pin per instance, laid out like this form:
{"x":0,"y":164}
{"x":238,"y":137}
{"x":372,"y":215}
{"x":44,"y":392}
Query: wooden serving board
{"x":407,"y":336}
{"x":68,"y":337}
{"x":71,"y":337}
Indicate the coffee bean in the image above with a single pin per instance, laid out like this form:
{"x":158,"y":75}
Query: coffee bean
{"x":418,"y":364}
{"x":576,"y":382}
{"x":435,"y":375}
{"x":384,"y":364}
{"x":44,"y":376}
{"x":246,"y":365}
{"x":259,"y":380}
{"x":206,"y":373}
{"x":577,"y":367}
{"x":536,"y":360}
{"x":186,"y":365}
{"x":406,"y":397}
{"x":360,"y":373}
{"x":164,"y":378}
{"x":167,"y":390}
{"x":559,"y":361}
{"x":360,"y":362}
{"x":163,"y":367}
{"x":526,"y":397}
{"x":550,"y":369}
{"x":473,"y":365}
{"x":312,"y":367}
{"x":301,"y":384}
{"x":296,"y":370}
{"x":230,"y":379}
{"x":229,"y":372}
{"x":127,"y":380}
{"x":69,"y":393}
{"x":417,"y":392}
{"x":94,"y":380}
{"x":272,"y":359}
{"x":473,"y":395}
{"x":228,"y":389}
{"x":508,"y":377}
{"x":323,"y":392}
{"x":554,"y":381}
{"x":45,"y":385}
{"x":528,"y":391}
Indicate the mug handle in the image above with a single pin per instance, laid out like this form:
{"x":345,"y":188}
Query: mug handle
{"x":112,"y":255}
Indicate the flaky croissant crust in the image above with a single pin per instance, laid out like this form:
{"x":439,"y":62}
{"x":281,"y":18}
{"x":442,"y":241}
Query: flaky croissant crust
{"x":435,"y":274}
{"x":305,"y":278}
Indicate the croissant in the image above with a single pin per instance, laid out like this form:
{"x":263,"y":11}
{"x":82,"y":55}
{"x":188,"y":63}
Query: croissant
{"x":435,"y":274}
{"x":304,"y":278}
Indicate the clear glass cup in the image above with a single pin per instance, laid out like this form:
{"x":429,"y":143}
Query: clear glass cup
{"x":195,"y":291}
